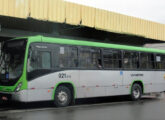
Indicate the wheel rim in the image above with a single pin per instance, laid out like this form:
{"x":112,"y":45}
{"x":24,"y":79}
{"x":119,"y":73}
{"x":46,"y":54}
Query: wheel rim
{"x":136,"y":93}
{"x":62,"y":97}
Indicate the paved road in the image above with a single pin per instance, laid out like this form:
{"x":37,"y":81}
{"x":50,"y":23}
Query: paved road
{"x":146,"y":109}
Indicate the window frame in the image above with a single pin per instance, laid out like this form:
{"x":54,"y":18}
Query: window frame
{"x":48,"y":49}
{"x":160,"y":54}
{"x":79,"y":47}
{"x":90,"y":48}
{"x":147,"y":69}
{"x":56,"y":52}
{"x":111,"y":49}
{"x":130,"y":51}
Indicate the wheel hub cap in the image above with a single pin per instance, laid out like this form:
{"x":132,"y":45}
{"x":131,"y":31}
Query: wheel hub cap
{"x":136,"y":93}
{"x":62,"y":97}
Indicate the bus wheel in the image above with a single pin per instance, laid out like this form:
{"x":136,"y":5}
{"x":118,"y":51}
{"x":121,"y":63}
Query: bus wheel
{"x":136,"y":92}
{"x":1,"y":102}
{"x":63,"y":96}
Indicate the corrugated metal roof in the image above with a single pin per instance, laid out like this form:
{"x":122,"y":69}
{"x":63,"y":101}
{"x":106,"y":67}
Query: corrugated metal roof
{"x":71,"y":13}
{"x":14,"y":8}
{"x":56,"y":11}
{"x":39,"y":9}
{"x":88,"y":16}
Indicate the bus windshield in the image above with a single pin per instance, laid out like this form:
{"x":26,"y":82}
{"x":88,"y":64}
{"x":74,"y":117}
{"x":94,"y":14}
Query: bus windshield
{"x":11,"y":61}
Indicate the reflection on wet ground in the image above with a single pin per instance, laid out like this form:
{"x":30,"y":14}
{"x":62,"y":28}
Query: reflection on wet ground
{"x":89,"y":101}
{"x":112,"y":108}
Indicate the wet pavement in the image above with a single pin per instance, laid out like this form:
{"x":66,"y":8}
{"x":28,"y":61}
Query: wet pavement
{"x":90,"y":109}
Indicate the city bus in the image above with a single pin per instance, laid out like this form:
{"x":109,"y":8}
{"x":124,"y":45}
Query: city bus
{"x":39,"y":68}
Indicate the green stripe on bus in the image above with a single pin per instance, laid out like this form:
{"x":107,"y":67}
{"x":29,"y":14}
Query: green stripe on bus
{"x":88,"y":43}
{"x":97,"y":44}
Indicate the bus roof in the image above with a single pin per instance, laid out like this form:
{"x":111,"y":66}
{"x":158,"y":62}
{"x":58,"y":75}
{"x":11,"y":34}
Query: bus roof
{"x":93,"y":44}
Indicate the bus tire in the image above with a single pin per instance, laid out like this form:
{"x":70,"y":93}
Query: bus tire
{"x":1,"y":102}
{"x":63,"y":96}
{"x":136,"y":92}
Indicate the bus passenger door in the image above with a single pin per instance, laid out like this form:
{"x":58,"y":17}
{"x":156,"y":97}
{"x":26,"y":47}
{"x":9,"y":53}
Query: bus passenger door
{"x":39,"y":72}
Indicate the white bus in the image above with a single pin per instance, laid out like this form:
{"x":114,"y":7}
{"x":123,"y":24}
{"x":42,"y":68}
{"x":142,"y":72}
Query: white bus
{"x":40,"y":68}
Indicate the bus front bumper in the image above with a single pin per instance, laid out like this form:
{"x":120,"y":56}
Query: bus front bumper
{"x":20,"y":96}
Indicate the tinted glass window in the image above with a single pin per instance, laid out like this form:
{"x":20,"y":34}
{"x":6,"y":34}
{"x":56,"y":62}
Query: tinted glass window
{"x":85,"y":58}
{"x":143,"y":60}
{"x":163,"y":61}
{"x":108,"y":59}
{"x":112,"y":59}
{"x":151,"y":62}
{"x":96,"y":58}
{"x":158,"y":62}
{"x":72,"y":57}
{"x":39,"y":60}
{"x":131,"y":60}
{"x":66,"y":57}
{"x":90,"y":58}
{"x":147,"y":61}
{"x":62,"y":57}
{"x":46,"y":61}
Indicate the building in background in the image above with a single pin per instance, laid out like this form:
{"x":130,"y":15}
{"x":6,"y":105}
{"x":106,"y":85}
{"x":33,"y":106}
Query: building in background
{"x":59,"y":18}
{"x":156,"y":45}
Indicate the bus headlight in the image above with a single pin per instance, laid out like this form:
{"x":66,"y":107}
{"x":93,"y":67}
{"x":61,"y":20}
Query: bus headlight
{"x":18,"y":87}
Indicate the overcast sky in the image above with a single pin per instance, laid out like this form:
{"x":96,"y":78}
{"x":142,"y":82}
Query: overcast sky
{"x":153,"y":10}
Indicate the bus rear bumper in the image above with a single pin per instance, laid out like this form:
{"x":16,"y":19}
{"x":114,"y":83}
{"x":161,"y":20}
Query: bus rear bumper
{"x":20,"y":96}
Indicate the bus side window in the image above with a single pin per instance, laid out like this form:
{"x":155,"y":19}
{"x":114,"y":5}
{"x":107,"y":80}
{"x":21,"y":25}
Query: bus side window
{"x":112,"y":59}
{"x":127,"y":60}
{"x":163,"y":61}
{"x":32,"y":61}
{"x":90,"y":58}
{"x":151,"y":61}
{"x":147,"y":61}
{"x":96,"y":58}
{"x":131,"y":60}
{"x":66,"y":57}
{"x":72,"y":57}
{"x":108,"y":59}
{"x":39,"y":60}
{"x":62,"y":57}
{"x":85,"y":58}
{"x":143,"y":60}
{"x":158,"y":61}
{"x":117,"y":58}
{"x":45,"y":60}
